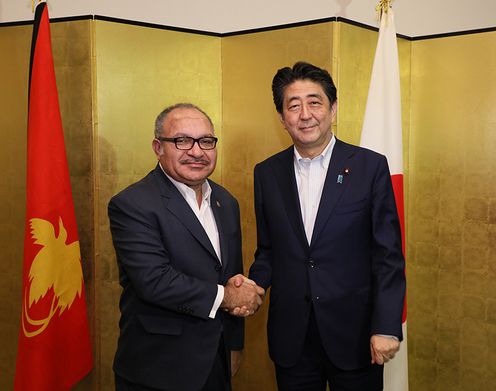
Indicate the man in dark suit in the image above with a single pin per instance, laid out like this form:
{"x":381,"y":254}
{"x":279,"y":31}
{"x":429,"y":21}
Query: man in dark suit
{"x":329,"y":246}
{"x":178,"y":244}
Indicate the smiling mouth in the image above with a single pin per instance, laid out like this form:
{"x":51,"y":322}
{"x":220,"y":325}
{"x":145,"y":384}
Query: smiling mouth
{"x":309,"y":127}
{"x":195,"y":163}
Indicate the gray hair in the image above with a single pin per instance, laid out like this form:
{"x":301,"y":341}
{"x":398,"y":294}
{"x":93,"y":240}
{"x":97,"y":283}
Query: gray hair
{"x":159,"y":122}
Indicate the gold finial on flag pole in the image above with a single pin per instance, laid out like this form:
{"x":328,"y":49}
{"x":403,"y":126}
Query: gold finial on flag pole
{"x":383,"y":7}
{"x":32,"y":5}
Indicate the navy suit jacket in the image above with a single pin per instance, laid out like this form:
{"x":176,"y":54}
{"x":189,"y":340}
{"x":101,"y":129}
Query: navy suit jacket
{"x":169,"y":273}
{"x":352,"y":272}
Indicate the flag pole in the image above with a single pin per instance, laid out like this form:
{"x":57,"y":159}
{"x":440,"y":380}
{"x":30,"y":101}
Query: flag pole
{"x":383,"y":6}
{"x":32,"y":5}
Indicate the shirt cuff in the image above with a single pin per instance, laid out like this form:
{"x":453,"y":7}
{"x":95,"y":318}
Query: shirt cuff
{"x":388,"y":336}
{"x":217,"y":302}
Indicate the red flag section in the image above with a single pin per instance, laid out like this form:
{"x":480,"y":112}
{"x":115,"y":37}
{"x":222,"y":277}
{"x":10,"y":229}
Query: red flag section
{"x":54,"y":349}
{"x":397,"y":181}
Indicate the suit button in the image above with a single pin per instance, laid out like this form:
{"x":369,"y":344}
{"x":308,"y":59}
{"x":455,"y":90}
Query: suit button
{"x":218,"y":267}
{"x":311,"y":263}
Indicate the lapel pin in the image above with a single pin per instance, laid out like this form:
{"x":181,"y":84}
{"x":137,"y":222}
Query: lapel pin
{"x":340,"y":179}
{"x":347,"y":171}
{"x":217,"y":203}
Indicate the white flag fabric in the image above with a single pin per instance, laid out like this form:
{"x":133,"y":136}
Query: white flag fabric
{"x":381,"y":130}
{"x":382,"y":133}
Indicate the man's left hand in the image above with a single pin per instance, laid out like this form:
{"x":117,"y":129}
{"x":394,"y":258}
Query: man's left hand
{"x":383,"y":349}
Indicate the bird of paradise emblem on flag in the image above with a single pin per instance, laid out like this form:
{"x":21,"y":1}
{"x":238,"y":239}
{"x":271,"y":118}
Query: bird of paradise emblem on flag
{"x":56,"y":268}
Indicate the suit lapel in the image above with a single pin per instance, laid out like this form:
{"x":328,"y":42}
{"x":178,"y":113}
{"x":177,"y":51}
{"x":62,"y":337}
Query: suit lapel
{"x":334,"y":185}
{"x":285,"y":177}
{"x":177,"y":205}
{"x":219,"y":211}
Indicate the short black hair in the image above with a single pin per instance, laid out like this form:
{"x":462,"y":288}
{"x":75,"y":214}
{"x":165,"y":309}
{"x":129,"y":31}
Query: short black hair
{"x":301,"y":71}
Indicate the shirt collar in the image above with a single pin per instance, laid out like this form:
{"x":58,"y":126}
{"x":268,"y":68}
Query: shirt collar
{"x":187,"y":191}
{"x":324,"y":157}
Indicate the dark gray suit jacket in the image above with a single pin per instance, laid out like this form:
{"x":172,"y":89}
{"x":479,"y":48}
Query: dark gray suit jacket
{"x":169,"y":274}
{"x":352,"y":272}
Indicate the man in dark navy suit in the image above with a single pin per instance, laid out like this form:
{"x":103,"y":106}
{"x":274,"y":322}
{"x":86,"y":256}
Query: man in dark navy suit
{"x":328,"y":245}
{"x":177,"y":238}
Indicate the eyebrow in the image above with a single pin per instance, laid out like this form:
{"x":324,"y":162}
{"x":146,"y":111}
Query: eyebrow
{"x":183,"y":134}
{"x":297,"y":97}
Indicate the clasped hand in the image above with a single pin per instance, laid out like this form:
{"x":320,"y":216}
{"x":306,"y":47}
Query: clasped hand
{"x":383,"y":349}
{"x":242,"y":296}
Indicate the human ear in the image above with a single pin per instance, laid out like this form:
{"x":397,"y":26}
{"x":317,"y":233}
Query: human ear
{"x":334,"y":110}
{"x":157,"y":148}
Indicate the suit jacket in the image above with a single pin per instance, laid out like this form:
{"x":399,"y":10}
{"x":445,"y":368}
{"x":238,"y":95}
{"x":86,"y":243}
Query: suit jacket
{"x":169,"y":273}
{"x":352,"y":272}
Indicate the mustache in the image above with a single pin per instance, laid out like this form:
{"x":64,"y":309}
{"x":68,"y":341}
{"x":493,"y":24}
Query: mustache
{"x":193,"y":160}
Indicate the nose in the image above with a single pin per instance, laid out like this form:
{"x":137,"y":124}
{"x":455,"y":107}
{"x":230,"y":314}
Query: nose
{"x":195,"y":150}
{"x":305,"y":112}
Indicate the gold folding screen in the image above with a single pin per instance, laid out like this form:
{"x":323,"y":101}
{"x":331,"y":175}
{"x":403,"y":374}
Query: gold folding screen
{"x":14,"y":44}
{"x":114,"y":78}
{"x":452,"y":230}
{"x":139,"y":71}
{"x":252,"y":132}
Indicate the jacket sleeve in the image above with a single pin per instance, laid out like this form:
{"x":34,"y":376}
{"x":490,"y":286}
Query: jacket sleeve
{"x":234,"y":326}
{"x":261,"y":269}
{"x":388,"y":265}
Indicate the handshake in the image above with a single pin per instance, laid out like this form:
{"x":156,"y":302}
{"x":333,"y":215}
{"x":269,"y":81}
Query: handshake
{"x":242,"y":296}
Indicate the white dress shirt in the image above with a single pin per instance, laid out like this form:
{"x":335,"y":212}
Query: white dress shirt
{"x":310,"y":177}
{"x":207,"y":220}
